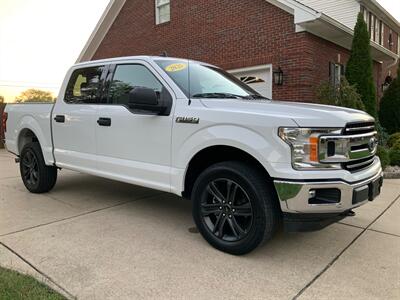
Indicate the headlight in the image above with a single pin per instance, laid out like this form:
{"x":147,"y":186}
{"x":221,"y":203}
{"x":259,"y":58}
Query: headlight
{"x":304,"y":144}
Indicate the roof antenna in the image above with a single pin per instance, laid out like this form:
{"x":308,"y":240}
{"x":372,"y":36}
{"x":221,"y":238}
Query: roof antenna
{"x":164,"y":54}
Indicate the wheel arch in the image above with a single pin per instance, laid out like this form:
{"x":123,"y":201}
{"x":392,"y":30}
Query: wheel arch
{"x":30,"y":130}
{"x":215,"y":154}
{"x":25,"y":137}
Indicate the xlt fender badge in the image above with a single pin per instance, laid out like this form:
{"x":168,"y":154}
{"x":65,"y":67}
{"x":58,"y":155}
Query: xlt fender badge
{"x":189,"y":120}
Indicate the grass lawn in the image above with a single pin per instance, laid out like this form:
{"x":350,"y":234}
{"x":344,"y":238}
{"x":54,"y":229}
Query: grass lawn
{"x":15,"y":286}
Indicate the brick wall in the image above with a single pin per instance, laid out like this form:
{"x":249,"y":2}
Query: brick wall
{"x":228,"y":33}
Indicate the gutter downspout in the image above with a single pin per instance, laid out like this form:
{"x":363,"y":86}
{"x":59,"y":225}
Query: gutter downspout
{"x":393,"y":64}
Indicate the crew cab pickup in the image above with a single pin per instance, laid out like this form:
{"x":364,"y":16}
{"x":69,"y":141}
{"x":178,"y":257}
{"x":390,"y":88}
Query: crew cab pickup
{"x":249,"y":164}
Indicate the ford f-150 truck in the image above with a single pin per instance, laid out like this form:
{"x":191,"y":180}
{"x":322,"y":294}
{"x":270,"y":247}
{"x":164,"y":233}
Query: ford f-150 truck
{"x":247,"y":163}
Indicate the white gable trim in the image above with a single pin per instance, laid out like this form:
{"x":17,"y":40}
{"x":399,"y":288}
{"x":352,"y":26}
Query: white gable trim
{"x":103,"y":26}
{"x":319,"y":24}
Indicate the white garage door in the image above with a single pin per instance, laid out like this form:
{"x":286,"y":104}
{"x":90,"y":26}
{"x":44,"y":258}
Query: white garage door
{"x":258,"y":77}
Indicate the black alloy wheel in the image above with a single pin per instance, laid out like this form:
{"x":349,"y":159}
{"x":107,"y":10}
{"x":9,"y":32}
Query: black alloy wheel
{"x":30,"y":168}
{"x":226,"y":210}
{"x":36,"y":175}
{"x":235,"y":206}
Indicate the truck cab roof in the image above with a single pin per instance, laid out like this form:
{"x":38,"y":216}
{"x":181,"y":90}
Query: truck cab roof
{"x":147,"y":58}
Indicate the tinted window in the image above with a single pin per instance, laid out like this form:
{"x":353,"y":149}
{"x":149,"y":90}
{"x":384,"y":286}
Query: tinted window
{"x":202,"y":81}
{"x":128,"y":77}
{"x":84,"y":86}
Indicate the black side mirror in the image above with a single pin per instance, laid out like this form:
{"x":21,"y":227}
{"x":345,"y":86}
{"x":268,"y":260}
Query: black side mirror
{"x":146,"y":100}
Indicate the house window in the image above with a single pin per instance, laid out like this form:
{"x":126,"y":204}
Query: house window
{"x":251,"y":79}
{"x":382,"y":31}
{"x":163,"y":11}
{"x":377,"y":30}
{"x":372,"y":26}
{"x":336,"y":71}
{"x":390,"y":39}
{"x":366,"y":16}
{"x":398,"y":45}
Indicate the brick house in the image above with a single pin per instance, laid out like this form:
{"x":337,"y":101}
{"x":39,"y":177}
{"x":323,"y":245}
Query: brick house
{"x":308,"y":40}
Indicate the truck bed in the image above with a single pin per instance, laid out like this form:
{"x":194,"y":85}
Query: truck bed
{"x":34,"y":117}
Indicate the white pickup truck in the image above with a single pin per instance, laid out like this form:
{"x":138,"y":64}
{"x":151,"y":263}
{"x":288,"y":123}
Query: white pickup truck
{"x":248,"y":163}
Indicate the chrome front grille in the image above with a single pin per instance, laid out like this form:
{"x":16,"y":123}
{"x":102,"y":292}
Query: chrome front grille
{"x":358,"y":165}
{"x":359,"y":128}
{"x":354,"y":149}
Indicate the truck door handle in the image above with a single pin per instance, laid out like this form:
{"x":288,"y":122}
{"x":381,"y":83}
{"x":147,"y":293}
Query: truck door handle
{"x":104,"y":121}
{"x":59,"y":119}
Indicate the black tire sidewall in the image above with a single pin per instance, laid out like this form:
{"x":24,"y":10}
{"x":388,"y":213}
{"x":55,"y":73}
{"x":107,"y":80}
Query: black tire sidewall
{"x":47,"y":175}
{"x":257,"y":230}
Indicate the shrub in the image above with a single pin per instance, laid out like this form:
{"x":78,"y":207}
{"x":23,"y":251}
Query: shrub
{"x":394,"y":155}
{"x":389,"y":109}
{"x":393,"y":139}
{"x":383,"y":136}
{"x":343,"y":95}
{"x":384,"y":156}
{"x":359,"y":66}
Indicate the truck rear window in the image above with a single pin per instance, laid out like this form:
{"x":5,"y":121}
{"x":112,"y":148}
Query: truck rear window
{"x":84,"y":86}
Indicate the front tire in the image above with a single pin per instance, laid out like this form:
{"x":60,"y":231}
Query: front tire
{"x":36,"y":175}
{"x":234,"y":207}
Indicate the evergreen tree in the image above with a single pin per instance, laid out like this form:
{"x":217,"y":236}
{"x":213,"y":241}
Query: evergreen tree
{"x":389,"y":112}
{"x":359,"y":66}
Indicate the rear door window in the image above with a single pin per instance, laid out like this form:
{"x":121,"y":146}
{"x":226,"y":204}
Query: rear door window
{"x":84,"y":86}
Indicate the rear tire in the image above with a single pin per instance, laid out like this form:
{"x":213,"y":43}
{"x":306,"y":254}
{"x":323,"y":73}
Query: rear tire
{"x":36,"y":175}
{"x":235,"y":207}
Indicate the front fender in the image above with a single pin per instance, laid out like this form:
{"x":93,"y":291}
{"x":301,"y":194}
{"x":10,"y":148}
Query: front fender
{"x":262,"y":149}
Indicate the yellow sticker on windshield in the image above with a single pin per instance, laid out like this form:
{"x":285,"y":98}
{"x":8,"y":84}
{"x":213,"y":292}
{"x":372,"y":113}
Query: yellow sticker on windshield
{"x":176,"y":67}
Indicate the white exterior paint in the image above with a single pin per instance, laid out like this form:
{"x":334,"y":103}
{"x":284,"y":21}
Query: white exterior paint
{"x":264,"y":72}
{"x":344,"y":11}
{"x":155,"y":151}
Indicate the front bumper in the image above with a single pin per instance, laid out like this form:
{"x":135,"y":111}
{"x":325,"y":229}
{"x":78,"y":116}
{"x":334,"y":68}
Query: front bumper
{"x":294,"y":196}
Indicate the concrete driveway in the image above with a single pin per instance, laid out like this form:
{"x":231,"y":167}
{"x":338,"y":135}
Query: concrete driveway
{"x":92,"y":238}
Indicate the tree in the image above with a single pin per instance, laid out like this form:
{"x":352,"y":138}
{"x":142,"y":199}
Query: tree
{"x":35,"y":95}
{"x":1,"y":99}
{"x":359,"y":66}
{"x":389,"y":112}
{"x":344,"y":95}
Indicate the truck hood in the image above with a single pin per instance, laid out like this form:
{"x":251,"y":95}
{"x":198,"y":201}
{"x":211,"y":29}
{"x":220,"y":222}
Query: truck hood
{"x":304,"y":114}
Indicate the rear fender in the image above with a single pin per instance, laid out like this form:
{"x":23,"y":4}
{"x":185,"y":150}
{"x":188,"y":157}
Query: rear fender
{"x":29,"y":123}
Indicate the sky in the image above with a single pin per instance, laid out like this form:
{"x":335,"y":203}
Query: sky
{"x":41,"y":39}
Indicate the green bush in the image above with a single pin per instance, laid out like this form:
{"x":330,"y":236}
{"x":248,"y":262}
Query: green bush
{"x":393,"y":139}
{"x":359,"y":66}
{"x":389,"y":109}
{"x":383,"y":154}
{"x":383,"y":136}
{"x":394,"y":155}
{"x":342,"y":95}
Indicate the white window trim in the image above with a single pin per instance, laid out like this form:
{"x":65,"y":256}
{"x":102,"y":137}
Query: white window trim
{"x":398,"y":44}
{"x":157,"y":8}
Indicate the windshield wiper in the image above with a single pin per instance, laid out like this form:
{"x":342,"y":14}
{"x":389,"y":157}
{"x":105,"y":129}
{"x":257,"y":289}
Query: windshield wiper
{"x":255,"y":96}
{"x":221,"y":95}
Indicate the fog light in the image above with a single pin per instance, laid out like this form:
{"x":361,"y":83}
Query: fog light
{"x":324,"y":196}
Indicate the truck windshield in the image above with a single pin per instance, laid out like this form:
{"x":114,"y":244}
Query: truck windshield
{"x":203,"y":81}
